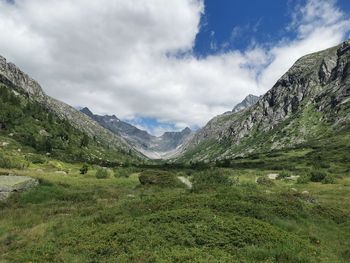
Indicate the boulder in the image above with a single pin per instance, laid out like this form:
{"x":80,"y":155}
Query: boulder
{"x":13,"y":183}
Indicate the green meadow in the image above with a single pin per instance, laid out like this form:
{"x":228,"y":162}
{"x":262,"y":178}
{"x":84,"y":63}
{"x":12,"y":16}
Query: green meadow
{"x":228,"y":215}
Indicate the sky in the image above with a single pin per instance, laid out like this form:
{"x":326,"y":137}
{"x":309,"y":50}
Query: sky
{"x":164,"y":64}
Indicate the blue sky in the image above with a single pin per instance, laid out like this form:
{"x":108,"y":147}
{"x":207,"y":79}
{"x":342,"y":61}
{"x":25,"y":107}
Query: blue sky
{"x":165,"y":65}
{"x":229,"y":25}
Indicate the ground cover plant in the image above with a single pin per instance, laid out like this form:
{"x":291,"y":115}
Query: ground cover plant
{"x":80,"y":218}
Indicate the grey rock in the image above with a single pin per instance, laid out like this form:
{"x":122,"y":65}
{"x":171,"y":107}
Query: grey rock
{"x":12,"y":183}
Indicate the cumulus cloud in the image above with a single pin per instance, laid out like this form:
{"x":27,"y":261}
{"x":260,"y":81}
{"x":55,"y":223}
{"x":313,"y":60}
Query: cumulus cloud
{"x":134,"y":58}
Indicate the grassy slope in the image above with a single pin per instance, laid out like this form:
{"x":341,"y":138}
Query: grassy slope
{"x":33,"y":129}
{"x":78,"y":218}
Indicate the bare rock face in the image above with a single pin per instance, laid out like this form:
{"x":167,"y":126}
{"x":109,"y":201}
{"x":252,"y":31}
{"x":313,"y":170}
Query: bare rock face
{"x":317,"y":84}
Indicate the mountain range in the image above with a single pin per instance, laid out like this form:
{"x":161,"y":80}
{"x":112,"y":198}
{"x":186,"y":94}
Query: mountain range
{"x":153,"y":147}
{"x":311,"y":100}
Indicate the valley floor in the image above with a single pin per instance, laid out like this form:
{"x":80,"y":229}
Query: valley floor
{"x":79,"y":218}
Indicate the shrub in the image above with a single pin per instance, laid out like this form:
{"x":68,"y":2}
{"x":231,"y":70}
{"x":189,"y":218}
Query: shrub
{"x":324,"y":165}
{"x":282,"y":175}
{"x":210,"y":179}
{"x":36,"y":159}
{"x":102,"y":173}
{"x":160,"y":178}
{"x":303,"y":179}
{"x":317,"y":176}
{"x":8,"y":163}
{"x":122,"y":172}
{"x":84,"y":169}
{"x":265,"y":181}
{"x":329,"y":179}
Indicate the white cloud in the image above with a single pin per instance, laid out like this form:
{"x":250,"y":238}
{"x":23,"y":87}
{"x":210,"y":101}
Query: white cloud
{"x":122,"y":57}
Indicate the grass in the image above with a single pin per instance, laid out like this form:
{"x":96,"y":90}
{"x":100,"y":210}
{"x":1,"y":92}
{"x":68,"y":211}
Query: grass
{"x":79,"y":218}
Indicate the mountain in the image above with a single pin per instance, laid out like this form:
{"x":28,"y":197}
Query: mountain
{"x":248,"y":101}
{"x":311,"y":100}
{"x":164,"y":146}
{"x":30,"y":94}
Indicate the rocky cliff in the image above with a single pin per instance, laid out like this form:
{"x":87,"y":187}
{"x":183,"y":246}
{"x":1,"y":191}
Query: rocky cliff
{"x":309,"y":101}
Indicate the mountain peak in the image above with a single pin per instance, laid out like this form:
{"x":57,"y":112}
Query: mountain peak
{"x":87,"y":111}
{"x":187,"y":130}
{"x":248,"y":101}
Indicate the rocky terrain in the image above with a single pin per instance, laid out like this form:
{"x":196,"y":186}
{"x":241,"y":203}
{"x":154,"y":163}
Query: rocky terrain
{"x":309,"y":101}
{"x":154,"y":147}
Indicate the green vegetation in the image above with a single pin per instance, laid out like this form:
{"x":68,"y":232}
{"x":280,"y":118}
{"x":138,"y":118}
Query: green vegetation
{"x":284,"y":174}
{"x":210,"y":179}
{"x":102,"y":173}
{"x":234,"y":212}
{"x":94,"y":204}
{"x":79,"y":218}
{"x":263,"y":180}
{"x":31,"y":125}
{"x":84,"y":169}
{"x":159,"y":178}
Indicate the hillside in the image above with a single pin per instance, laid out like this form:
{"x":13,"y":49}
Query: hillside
{"x":30,"y":117}
{"x":154,"y":147}
{"x":310,"y":101}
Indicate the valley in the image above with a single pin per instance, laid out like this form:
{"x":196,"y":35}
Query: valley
{"x":266,"y":182}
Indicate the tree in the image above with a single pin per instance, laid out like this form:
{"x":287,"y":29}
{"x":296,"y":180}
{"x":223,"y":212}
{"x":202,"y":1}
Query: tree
{"x":84,"y":141}
{"x":84,"y":169}
{"x":47,"y":145}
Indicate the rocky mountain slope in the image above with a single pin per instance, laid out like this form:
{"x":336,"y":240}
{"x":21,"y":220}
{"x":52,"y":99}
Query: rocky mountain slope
{"x":248,"y":101}
{"x":11,"y":76}
{"x":164,"y":146}
{"x":311,"y":100}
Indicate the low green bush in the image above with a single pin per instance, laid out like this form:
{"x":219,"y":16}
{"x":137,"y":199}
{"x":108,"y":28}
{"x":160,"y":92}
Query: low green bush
{"x":210,"y":179}
{"x":265,"y":181}
{"x":324,"y":165}
{"x":36,"y":159}
{"x":122,"y":172}
{"x":160,"y":178}
{"x":84,"y":169}
{"x":329,"y":179}
{"x":102,"y":173}
{"x":9,"y":163}
{"x":282,"y":175}
{"x":317,"y":175}
{"x":303,"y":179}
